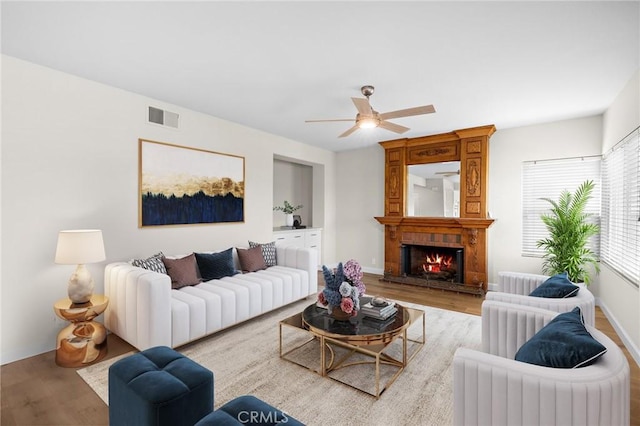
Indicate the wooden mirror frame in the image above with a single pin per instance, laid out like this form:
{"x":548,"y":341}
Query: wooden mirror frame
{"x":471,"y":148}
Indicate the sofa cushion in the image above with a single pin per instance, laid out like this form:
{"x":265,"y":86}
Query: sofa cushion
{"x":183,"y":271}
{"x":251,"y":260}
{"x":563,"y":343}
{"x":214,"y":266}
{"x":268,"y":252}
{"x":152,"y":263}
{"x":556,"y":287}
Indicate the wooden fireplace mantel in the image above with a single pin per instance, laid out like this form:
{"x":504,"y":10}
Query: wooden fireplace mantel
{"x":469,"y":231}
{"x":449,"y":222}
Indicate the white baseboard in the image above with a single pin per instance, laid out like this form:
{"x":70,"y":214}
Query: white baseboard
{"x":628,"y":343}
{"x":375,"y":271}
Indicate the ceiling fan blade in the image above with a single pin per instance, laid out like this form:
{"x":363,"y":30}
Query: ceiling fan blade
{"x":427,"y":109}
{"x":392,"y":126}
{"x":324,"y":121}
{"x":348,"y":132}
{"x":362,"y":105}
{"x":448,"y":173}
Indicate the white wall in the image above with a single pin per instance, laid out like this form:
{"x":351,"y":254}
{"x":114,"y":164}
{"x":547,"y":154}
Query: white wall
{"x":431,"y":199}
{"x":619,"y":299}
{"x":359,"y":198}
{"x":70,"y":160}
{"x":508,"y":149}
{"x":293,"y":182}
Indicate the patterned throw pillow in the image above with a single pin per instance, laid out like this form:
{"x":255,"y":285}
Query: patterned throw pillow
{"x":183,"y":271}
{"x":268,"y":252}
{"x":214,"y":266}
{"x":251,"y":260}
{"x":152,"y":263}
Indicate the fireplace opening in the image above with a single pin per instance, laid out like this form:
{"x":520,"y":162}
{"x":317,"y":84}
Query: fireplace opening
{"x":433,"y":263}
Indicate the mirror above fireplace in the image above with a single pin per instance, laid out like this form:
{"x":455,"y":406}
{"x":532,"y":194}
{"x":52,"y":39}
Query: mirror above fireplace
{"x":433,"y":189}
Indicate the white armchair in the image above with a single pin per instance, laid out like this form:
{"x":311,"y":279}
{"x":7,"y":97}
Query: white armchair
{"x":491,"y":388}
{"x":514,"y":287}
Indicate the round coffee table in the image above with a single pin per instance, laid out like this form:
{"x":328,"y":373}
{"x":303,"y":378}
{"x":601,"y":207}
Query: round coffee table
{"x":358,"y":335}
{"x":359,"y":330}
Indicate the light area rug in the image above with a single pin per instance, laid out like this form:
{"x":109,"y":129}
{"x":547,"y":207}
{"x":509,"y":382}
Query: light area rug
{"x":245,"y":360}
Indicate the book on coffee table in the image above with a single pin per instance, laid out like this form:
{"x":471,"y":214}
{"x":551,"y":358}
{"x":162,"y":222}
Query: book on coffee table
{"x":378,"y":324}
{"x":379,"y":312}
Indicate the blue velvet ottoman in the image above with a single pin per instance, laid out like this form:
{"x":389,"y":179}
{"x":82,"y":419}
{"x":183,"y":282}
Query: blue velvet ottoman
{"x":248,"y":410}
{"x":159,"y":386}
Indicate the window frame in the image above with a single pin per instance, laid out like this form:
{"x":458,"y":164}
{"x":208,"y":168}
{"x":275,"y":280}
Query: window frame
{"x":547,"y":179}
{"x":620,"y":229}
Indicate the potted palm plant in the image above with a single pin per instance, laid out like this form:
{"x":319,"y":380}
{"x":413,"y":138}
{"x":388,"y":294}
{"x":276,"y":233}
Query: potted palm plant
{"x":566,"y":248}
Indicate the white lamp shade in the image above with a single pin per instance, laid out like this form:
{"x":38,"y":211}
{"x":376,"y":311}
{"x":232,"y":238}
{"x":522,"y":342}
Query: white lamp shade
{"x":80,"y":246}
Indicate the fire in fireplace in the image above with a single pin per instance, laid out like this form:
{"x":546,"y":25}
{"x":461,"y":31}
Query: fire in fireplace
{"x":437,"y":263}
{"x":433,"y":263}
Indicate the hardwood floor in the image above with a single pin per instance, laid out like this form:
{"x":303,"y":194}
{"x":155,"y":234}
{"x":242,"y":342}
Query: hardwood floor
{"x":35,"y":391}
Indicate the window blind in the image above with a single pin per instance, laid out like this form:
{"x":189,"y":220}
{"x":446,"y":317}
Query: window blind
{"x":547,"y":179}
{"x":620,"y":227}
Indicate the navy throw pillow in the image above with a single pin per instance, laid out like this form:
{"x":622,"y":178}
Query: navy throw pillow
{"x":556,"y":287}
{"x":563,"y":343}
{"x":214,"y":266}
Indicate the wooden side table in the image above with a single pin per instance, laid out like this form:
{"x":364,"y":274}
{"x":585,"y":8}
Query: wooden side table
{"x":83,"y":341}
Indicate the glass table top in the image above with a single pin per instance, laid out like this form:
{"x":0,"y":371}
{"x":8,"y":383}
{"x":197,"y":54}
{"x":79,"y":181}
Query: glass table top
{"x":319,"y":319}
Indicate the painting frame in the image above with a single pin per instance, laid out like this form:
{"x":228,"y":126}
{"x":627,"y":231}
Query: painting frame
{"x":180,"y":185}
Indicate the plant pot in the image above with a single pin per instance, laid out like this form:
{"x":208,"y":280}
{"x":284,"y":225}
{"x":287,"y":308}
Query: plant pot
{"x":339,"y":314}
{"x":288,"y":217}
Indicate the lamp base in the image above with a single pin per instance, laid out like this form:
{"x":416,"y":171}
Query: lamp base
{"x":80,"y":285}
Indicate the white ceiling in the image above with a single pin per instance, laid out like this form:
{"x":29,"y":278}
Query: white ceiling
{"x":272,"y":65}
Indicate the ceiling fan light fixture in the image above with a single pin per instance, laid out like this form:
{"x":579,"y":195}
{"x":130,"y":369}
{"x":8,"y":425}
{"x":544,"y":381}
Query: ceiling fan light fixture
{"x":368,"y":122}
{"x":368,"y":118}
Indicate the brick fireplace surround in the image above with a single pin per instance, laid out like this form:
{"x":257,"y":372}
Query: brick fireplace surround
{"x":469,"y":231}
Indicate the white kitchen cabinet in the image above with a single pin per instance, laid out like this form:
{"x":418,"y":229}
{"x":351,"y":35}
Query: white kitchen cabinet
{"x":306,"y":238}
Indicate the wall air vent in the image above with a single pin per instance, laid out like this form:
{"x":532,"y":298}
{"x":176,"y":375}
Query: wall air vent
{"x":162,"y":117}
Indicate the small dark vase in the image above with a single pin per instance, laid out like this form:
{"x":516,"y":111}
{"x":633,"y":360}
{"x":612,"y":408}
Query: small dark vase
{"x":340,"y":315}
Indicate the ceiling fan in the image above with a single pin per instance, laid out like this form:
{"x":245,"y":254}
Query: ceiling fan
{"x":447,"y":174}
{"x":368,"y":118}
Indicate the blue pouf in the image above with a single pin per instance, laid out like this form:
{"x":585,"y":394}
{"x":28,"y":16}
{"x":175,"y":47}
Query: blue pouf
{"x":248,"y":410}
{"x":159,"y":386}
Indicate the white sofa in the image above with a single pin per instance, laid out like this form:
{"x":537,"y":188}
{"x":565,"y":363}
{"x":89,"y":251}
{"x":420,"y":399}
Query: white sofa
{"x":145,"y":311}
{"x":515,"y":287}
{"x":491,"y":388}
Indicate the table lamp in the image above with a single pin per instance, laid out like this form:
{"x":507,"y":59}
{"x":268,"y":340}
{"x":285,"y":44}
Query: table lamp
{"x":78,"y":247}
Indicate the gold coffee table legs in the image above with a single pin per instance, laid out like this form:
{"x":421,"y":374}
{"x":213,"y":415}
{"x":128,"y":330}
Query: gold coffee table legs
{"x":377,"y":358}
{"x":335,"y":355}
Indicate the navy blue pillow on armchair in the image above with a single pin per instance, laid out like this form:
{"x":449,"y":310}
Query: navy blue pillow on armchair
{"x":556,"y":287}
{"x":214,"y":266}
{"x":563,"y":343}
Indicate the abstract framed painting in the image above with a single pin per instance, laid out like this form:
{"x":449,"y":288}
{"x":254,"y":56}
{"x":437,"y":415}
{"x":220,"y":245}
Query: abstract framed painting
{"x":179,"y":185}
